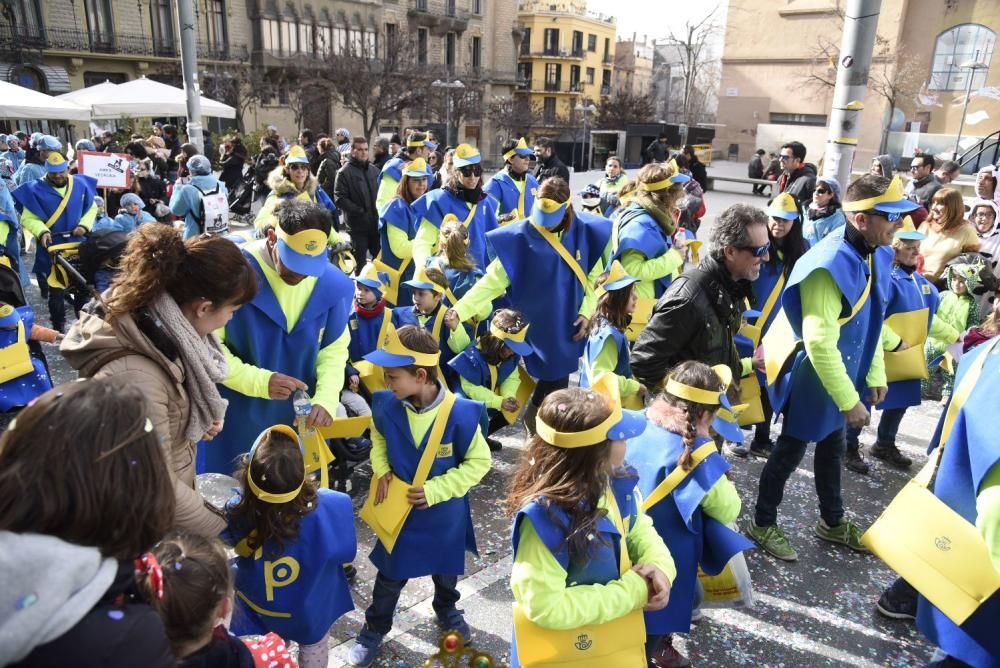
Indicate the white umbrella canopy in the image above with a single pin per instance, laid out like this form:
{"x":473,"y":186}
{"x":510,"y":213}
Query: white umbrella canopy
{"x":91,"y":94}
{"x":145,"y":97}
{"x":19,"y":102}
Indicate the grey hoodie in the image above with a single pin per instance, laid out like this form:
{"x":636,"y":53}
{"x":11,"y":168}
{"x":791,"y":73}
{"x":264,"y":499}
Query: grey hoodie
{"x":46,"y":587}
{"x":887,"y":165}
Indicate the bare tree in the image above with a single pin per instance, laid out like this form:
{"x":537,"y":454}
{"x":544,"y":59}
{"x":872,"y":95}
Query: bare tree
{"x":455,"y":105}
{"x":693,"y":45}
{"x":622,"y":109}
{"x":514,"y":117}
{"x":377,"y":88}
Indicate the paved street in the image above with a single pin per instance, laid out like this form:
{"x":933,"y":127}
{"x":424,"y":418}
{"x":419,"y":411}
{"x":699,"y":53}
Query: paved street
{"x":816,"y":612}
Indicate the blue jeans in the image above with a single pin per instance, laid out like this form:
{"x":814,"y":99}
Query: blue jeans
{"x":888,"y":427}
{"x":785,"y":458}
{"x":385,"y":596}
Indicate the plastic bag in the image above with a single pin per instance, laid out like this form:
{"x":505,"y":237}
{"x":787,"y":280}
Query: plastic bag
{"x":732,"y":588}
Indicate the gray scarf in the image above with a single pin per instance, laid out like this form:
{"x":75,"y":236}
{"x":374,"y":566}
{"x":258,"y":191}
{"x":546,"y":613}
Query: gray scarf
{"x":204,"y":365}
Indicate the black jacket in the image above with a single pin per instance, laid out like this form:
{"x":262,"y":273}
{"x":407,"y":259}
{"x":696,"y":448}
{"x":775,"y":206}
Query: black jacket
{"x":656,"y":151}
{"x":755,"y":170}
{"x":800,"y":184}
{"x":329,"y":165}
{"x":552,"y":167}
{"x":120,"y":631}
{"x":355,"y":190}
{"x":699,"y":173}
{"x":695,"y":319}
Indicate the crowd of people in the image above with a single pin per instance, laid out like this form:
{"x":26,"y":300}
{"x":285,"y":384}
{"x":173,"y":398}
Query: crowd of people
{"x":473,"y":303}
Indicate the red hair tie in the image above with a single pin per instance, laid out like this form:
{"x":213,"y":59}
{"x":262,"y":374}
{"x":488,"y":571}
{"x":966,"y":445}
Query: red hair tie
{"x":148,"y":564}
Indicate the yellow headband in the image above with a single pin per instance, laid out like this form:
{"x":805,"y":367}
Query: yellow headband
{"x":699,"y":395}
{"x":307,"y":242}
{"x":656,"y":185}
{"x":392,"y":345}
{"x":415,"y":143}
{"x":521,"y":145}
{"x":269,"y":497}
{"x":605,"y":385}
{"x":516,"y":337}
{"x":893,"y":194}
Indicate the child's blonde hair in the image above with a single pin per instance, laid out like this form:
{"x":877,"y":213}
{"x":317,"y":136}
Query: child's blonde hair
{"x":692,"y":374}
{"x":455,"y":246}
{"x":991,"y":325}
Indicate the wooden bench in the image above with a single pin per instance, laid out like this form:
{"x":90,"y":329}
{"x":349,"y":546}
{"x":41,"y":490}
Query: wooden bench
{"x":741,"y":179}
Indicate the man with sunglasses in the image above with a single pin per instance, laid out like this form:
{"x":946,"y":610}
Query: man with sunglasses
{"x":925,"y":183}
{"x":699,"y":314}
{"x":798,"y":178}
{"x":549,"y":164}
{"x":823,"y":357}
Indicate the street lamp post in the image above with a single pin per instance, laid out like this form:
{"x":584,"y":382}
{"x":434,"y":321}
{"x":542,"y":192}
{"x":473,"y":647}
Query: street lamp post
{"x":587,"y":110}
{"x":972,"y":66}
{"x":449,"y":85}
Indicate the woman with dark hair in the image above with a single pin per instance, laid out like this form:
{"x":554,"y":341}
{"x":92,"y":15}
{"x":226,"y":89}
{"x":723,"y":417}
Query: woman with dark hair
{"x":232,"y":159}
{"x":546,"y":264}
{"x":155,"y":328}
{"x":824,"y":214}
{"x":397,"y":227}
{"x":86,"y":493}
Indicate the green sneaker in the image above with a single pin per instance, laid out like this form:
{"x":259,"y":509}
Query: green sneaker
{"x":846,"y":533}
{"x":772,"y":540}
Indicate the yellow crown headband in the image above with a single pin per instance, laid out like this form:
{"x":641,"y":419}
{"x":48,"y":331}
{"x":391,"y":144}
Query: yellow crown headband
{"x":699,"y":395}
{"x":392,"y":345}
{"x":516,"y":337}
{"x":893,"y":194}
{"x":270,"y":497}
{"x":656,"y":185}
{"x":414,"y":143}
{"x":578,"y":439}
{"x":521,"y":145}
{"x":305,"y":242}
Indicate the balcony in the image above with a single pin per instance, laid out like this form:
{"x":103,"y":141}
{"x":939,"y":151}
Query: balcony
{"x":121,"y":43}
{"x":551,"y":54}
{"x":605,"y":90}
{"x":608,"y":59}
{"x":452,"y":20}
{"x":548,"y":88}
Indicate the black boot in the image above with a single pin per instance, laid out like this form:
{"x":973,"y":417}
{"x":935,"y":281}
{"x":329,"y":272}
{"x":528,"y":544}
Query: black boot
{"x":854,"y":460}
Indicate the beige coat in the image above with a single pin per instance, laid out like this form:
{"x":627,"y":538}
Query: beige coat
{"x":134,"y":359}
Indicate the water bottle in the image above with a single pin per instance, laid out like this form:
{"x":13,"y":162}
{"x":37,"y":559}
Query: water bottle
{"x":302,"y":407}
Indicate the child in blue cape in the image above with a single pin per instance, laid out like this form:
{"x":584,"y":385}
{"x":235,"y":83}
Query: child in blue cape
{"x":691,"y":516}
{"x":454,"y":260}
{"x":368,"y":322}
{"x":127,"y":220}
{"x":607,"y":348}
{"x":433,"y":538}
{"x":587,"y":560}
{"x":291,"y":541}
{"x":428,"y":288}
{"x":102,"y":221}
{"x":23,"y":376}
{"x":488,"y":370}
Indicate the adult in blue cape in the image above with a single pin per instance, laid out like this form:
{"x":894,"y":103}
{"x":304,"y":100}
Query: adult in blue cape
{"x":397,"y":227}
{"x":291,"y":180}
{"x":823,"y":355}
{"x":418,"y":145}
{"x":462,"y":197}
{"x":682,"y":478}
{"x":56,"y":210}
{"x":34,"y":165}
{"x":547,"y":264}
{"x":644,"y":231}
{"x":514,"y":187}
{"x":293,"y":335}
{"x":11,"y":149}
{"x":784,"y":232}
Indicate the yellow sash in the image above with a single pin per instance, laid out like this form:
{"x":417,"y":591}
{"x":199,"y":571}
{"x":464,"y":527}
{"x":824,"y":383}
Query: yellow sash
{"x":909,"y":364}
{"x":640,"y":318}
{"x":371,"y":374}
{"x":395,"y":278}
{"x":62,"y":204}
{"x":754,"y":332}
{"x":520,"y":200}
{"x":750,"y":394}
{"x":677,"y":476}
{"x":387,"y":518}
{"x":780,"y":341}
{"x":436,"y":333}
{"x":557,"y":246}
{"x":619,"y":643}
{"x":934,"y":548}
{"x":317,"y":452}
{"x":15,"y":359}
{"x":524,"y":392}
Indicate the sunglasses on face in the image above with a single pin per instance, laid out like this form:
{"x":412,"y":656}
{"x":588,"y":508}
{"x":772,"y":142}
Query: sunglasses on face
{"x":758,"y":251}
{"x":891,"y":217}
{"x":914,"y":168}
{"x":295,"y":167}
{"x":470,"y":170}
{"x":822,"y":191}
{"x":784,"y":158}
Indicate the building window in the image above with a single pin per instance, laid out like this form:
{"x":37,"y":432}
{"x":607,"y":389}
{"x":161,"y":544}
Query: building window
{"x":607,"y":49}
{"x":27,"y":19}
{"x":549,"y":110}
{"x":526,"y":42}
{"x":422,"y":34}
{"x":449,"y":7}
{"x":477,"y":6}
{"x":955,"y":47}
{"x":369,"y":43}
{"x":217,"y":35}
{"x":606,"y":83}
{"x":306,"y":38}
{"x":449,"y":52}
{"x":391,"y":37}
{"x":577,"y":43}
{"x":524,"y":75}
{"x":161,"y":15}
{"x":553,"y":75}
{"x":574,"y":77}
{"x":28,"y":77}
{"x":324,"y":40}
{"x":99,"y":23}
{"x":590,"y":75}
{"x":289,"y":35}
{"x":270,"y":36}
{"x":592,"y":43}
{"x":340,"y":40}
{"x":477,"y":52}
{"x":798,"y":119}
{"x":551,"y":44}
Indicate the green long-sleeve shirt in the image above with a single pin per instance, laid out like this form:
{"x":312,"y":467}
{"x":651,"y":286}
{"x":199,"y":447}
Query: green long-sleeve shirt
{"x":648,"y":271}
{"x":539,"y":582}
{"x":399,"y":243}
{"x":453,"y":483}
{"x":821,"y":307}
{"x":988,"y":513}
{"x":331,"y":361}
{"x":507,"y":390}
{"x":495,"y":283}
{"x":386,"y":191}
{"x":607,"y":361}
{"x":37,"y":227}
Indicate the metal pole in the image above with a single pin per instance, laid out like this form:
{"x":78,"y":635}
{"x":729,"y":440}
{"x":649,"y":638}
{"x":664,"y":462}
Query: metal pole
{"x":860,"y":24}
{"x":965,"y":108}
{"x":447,"y":119}
{"x":189,"y":67}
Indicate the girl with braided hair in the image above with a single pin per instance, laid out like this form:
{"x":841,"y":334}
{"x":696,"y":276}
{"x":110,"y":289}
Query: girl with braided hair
{"x":686,"y":493}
